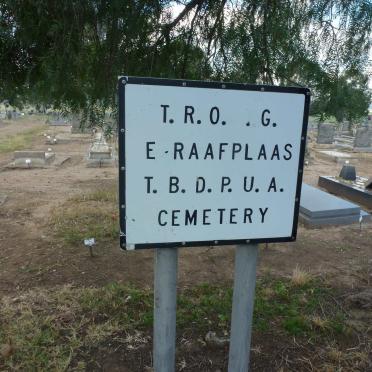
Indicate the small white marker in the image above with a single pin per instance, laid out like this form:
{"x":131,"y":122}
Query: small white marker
{"x":89,"y":242}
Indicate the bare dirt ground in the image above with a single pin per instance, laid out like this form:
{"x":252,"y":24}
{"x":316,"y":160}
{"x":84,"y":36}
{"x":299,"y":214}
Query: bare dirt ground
{"x":31,"y":256}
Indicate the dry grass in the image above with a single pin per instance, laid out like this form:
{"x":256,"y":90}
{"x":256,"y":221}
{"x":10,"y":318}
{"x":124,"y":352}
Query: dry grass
{"x":46,"y":328}
{"x":91,"y":215}
{"x":300,"y":277}
{"x":102,"y":195}
{"x":20,"y":141}
{"x":63,"y":328}
{"x":335,"y":355}
{"x":319,"y":322}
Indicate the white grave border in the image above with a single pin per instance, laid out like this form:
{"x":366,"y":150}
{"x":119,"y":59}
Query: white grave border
{"x":124,"y":80}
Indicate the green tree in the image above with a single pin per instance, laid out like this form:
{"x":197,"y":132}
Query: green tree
{"x":69,"y":53}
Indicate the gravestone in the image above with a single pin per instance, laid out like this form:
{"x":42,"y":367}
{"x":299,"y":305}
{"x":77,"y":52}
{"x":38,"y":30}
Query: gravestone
{"x":355,"y":191}
{"x":318,"y":208}
{"x":76,"y":126}
{"x":363,"y":138}
{"x":100,"y":153}
{"x":326,"y":134}
{"x":345,"y":126}
{"x":50,"y":140}
{"x":348,"y":172}
{"x":32,"y":159}
{"x":57,"y":119}
{"x":12,"y":114}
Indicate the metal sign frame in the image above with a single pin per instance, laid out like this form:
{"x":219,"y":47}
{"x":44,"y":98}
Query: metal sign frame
{"x":123,"y":81}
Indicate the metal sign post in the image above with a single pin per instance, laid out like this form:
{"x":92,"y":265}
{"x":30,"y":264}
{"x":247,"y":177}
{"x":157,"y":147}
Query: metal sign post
{"x":165,"y":302}
{"x":242,"y":308}
{"x":208,"y":163}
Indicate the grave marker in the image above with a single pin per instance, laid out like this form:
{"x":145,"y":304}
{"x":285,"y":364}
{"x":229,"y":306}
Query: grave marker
{"x":205,"y":163}
{"x":326,"y":134}
{"x":100,"y":153}
{"x":31,"y":159}
{"x":363,"y":139}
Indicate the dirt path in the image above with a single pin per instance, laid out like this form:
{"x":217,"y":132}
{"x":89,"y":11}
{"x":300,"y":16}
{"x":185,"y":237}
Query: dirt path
{"x":31,"y":256}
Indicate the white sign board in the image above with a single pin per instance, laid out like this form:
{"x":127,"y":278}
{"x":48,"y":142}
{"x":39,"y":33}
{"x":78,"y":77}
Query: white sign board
{"x":209,"y":163}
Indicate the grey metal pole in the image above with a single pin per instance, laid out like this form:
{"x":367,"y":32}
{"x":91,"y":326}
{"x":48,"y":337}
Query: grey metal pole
{"x":165,"y":302}
{"x":242,"y":308}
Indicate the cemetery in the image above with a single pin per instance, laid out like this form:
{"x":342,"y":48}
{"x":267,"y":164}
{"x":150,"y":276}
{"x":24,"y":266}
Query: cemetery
{"x":186,"y":186}
{"x":330,"y":217}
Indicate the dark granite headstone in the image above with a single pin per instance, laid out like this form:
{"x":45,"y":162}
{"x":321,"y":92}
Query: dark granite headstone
{"x":348,"y":172}
{"x":354,"y":191}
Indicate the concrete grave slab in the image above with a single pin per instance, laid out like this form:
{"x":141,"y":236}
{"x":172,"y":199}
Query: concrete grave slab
{"x":316,"y":203}
{"x":51,"y":140}
{"x":100,"y":154}
{"x":345,"y":141}
{"x":32,"y":159}
{"x":57,"y":120}
{"x":68,"y":138}
{"x":334,"y":221}
{"x":100,"y":151}
{"x":318,"y":208}
{"x":336,"y":156}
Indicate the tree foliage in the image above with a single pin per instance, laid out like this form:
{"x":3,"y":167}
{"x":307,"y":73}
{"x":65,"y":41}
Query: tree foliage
{"x":69,"y":53}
